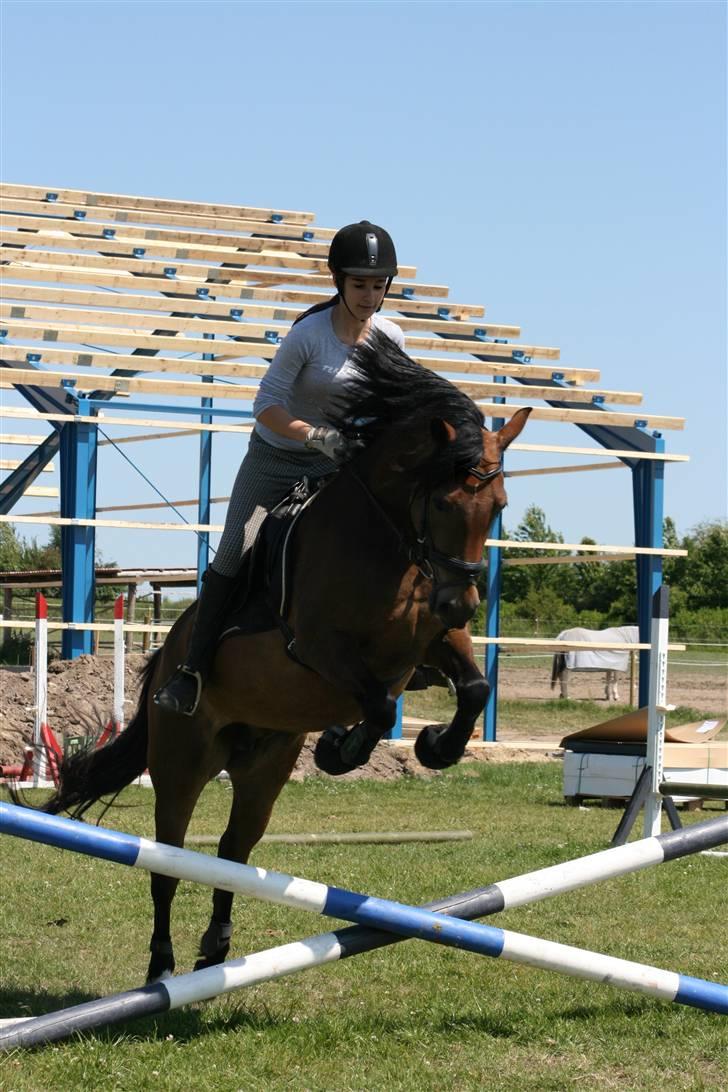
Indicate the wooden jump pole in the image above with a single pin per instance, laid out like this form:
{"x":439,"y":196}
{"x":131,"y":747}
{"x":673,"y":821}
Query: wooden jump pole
{"x":388,"y":837}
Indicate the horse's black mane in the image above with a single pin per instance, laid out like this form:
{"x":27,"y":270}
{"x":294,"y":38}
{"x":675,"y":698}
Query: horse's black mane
{"x":388,"y":388}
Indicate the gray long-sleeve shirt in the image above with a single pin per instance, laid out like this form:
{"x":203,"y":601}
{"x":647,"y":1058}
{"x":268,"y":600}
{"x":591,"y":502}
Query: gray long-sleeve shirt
{"x":310,"y":367}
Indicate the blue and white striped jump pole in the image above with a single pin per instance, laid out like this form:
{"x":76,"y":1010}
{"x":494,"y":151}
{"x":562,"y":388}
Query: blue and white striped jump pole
{"x":405,"y":921}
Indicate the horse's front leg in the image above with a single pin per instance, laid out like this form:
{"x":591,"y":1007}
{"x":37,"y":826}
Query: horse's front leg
{"x":438,"y":747}
{"x":338,"y":749}
{"x":180,"y":765}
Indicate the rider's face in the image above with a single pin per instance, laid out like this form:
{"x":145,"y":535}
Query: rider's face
{"x":364,"y":295}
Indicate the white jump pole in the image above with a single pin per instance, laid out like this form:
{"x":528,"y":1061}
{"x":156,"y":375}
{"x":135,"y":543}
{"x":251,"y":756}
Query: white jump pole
{"x":657,"y":708}
{"x":119,"y":653}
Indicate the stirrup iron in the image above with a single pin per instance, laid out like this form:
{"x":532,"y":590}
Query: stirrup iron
{"x":166,"y":699}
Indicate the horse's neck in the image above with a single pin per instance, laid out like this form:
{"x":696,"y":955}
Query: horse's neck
{"x":387,"y":492}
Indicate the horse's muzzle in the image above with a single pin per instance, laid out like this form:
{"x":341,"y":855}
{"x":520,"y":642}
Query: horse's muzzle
{"x":454,"y":605}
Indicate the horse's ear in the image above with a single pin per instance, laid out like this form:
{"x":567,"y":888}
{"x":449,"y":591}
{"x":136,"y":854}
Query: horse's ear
{"x":442,"y":431}
{"x":513,"y":428}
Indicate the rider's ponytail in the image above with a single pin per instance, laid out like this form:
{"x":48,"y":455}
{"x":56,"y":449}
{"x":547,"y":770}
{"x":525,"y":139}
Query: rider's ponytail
{"x":318,"y":307}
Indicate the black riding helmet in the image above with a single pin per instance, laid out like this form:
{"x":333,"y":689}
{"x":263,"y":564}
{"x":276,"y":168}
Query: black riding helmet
{"x":362,"y":249}
{"x":359,"y":250}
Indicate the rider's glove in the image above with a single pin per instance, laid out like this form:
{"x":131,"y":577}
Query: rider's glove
{"x":331,"y":443}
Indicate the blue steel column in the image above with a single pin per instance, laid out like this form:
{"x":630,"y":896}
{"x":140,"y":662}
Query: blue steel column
{"x":78,"y":501}
{"x":648,"y":498}
{"x":203,"y":501}
{"x":493,"y":555}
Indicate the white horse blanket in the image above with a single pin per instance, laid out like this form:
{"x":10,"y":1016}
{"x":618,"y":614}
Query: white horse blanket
{"x":599,"y":659}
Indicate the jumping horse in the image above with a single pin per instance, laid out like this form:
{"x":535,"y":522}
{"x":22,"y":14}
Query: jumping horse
{"x":384,"y":571}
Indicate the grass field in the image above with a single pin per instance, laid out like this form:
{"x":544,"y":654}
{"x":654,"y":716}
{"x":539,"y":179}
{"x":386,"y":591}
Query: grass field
{"x":409,"y":1017}
{"x":550,"y":718}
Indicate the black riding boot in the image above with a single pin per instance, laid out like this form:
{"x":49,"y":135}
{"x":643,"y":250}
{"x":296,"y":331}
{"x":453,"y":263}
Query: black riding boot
{"x":181,"y":693}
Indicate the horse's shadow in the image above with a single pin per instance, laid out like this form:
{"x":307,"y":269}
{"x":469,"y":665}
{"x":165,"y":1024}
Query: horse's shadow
{"x":191,"y":1023}
{"x":22,"y":1002}
{"x":185,"y":1024}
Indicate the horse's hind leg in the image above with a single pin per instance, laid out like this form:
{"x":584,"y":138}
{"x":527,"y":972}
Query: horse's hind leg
{"x":258,"y":772}
{"x":611,"y":691}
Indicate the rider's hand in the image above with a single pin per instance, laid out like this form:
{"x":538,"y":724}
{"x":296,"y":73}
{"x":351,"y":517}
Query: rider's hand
{"x":331,"y":443}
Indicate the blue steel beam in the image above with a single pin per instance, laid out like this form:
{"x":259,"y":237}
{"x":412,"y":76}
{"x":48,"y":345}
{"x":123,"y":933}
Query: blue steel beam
{"x":648,"y":501}
{"x":45,"y":400}
{"x":78,"y":501}
{"x":494,"y":558}
{"x":16,"y":483}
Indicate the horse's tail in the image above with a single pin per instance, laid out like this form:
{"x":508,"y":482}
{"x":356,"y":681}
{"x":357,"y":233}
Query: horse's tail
{"x":558,"y":666}
{"x":95,"y":772}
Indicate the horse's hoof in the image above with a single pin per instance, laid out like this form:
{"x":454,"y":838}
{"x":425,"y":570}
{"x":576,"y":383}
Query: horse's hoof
{"x":428,"y":752}
{"x":210,"y":961}
{"x":327,"y":752}
{"x":161,"y":965}
{"x":157,"y":971}
{"x":214,"y":944}
{"x":159,"y":978}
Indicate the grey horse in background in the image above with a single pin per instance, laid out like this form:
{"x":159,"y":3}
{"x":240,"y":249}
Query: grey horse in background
{"x":611,"y":661}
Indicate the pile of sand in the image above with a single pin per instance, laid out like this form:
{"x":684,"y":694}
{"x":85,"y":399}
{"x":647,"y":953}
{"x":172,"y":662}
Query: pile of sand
{"x":80,"y":700}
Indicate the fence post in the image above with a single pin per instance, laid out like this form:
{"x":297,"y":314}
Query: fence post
{"x":130,"y":614}
{"x":157,"y":610}
{"x":7,"y":614}
{"x":118,"y":711}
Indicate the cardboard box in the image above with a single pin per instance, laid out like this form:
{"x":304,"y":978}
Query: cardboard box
{"x":607,"y":759}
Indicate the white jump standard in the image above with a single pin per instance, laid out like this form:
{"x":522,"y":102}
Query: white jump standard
{"x":376,"y":914}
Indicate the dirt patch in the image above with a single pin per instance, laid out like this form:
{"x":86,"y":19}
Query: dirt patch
{"x":79,"y":700}
{"x":79,"y":703}
{"x":80,"y":696}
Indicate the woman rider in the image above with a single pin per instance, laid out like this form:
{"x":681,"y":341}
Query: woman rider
{"x":291,"y":439}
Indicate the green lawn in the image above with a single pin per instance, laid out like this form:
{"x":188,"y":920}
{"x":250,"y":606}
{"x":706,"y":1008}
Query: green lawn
{"x":409,"y":1017}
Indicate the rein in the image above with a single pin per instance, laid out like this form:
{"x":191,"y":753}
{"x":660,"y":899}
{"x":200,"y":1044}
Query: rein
{"x":422,"y":552}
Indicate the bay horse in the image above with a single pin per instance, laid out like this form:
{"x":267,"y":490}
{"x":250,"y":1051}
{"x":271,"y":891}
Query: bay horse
{"x":384,"y":572}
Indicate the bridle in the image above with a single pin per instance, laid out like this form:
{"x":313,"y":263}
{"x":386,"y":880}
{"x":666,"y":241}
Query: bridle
{"x":419,"y":546}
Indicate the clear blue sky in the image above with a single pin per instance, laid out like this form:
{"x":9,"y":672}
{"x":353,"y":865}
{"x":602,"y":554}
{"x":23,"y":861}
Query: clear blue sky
{"x":562,"y":163}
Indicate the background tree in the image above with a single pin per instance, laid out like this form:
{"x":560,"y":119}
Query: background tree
{"x":706,"y":569}
{"x":11,"y":549}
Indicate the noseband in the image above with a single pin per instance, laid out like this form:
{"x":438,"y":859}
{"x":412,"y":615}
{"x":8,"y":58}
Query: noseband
{"x":422,"y":552}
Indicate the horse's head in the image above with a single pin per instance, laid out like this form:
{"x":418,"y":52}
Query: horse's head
{"x":429,"y":464}
{"x":450,"y":520}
